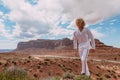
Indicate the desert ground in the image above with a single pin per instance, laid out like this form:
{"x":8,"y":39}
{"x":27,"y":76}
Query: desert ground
{"x":47,"y":63}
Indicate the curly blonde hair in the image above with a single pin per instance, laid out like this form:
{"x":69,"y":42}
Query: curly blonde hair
{"x":81,"y":20}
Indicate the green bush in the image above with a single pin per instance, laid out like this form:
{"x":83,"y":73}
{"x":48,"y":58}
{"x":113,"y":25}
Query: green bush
{"x":82,"y":77}
{"x":99,"y":78}
{"x":68,"y":75}
{"x":107,"y":76}
{"x":14,"y":73}
{"x":51,"y":78}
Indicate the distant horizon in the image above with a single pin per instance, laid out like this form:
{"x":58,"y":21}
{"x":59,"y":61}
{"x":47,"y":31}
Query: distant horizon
{"x":5,"y":50}
{"x":49,"y":39}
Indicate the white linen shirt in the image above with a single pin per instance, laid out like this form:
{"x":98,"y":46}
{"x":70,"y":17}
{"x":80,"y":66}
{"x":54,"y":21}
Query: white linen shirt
{"x":82,"y":39}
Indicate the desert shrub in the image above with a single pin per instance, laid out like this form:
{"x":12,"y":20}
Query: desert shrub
{"x":14,"y":62}
{"x":29,"y":57}
{"x":40,"y":63}
{"x":118,"y":75}
{"x":0,"y":63}
{"x":46,"y":63}
{"x":14,"y":73}
{"x":6,"y":64}
{"x":98,"y":67}
{"x":107,"y":76}
{"x":49,"y":73}
{"x":47,"y":59}
{"x":91,"y":71}
{"x":68,"y":75}
{"x":35,"y":75}
{"x":114,"y":76}
{"x":51,"y":78}
{"x":108,"y":70}
{"x":99,"y":78}
{"x":40,"y":71}
{"x":82,"y":77}
{"x":38,"y":67}
{"x":113,"y":71}
{"x":8,"y":60}
{"x":24,"y":62}
{"x":98,"y":74}
{"x":63,"y":67}
{"x":28,"y":61}
{"x":76,"y":65}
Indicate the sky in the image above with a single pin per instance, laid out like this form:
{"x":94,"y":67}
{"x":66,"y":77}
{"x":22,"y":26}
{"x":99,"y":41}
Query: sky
{"x":24,"y":20}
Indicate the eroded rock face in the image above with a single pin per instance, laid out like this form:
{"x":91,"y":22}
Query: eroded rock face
{"x":65,"y":43}
{"x":46,"y":44}
{"x":101,"y":45}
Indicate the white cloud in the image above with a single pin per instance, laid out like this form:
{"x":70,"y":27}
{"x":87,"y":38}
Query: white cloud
{"x":91,"y":10}
{"x":3,"y":31}
{"x":111,"y":23}
{"x":34,"y":20}
{"x":110,"y":30}
{"x":97,"y":34}
{"x":61,"y":32}
{"x":42,"y":18}
{"x":1,"y":13}
{"x":113,"y":20}
{"x":8,"y":44}
{"x":101,"y":23}
{"x":1,"y":17}
{"x":16,"y":31}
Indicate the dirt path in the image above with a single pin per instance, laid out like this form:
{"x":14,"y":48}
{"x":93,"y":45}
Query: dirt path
{"x":51,"y":56}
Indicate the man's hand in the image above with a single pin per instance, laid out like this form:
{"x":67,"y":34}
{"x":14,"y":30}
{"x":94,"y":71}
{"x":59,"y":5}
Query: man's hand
{"x":76,"y":49}
{"x":76,"y":52}
{"x":92,"y":50}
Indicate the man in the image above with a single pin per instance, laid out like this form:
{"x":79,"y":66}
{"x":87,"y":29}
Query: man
{"x":83,"y":41}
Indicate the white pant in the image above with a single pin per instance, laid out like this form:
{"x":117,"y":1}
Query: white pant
{"x":83,"y":53}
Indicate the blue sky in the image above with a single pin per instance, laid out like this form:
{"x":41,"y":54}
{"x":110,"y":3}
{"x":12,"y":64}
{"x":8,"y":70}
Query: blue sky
{"x":110,"y":28}
{"x":38,"y":19}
